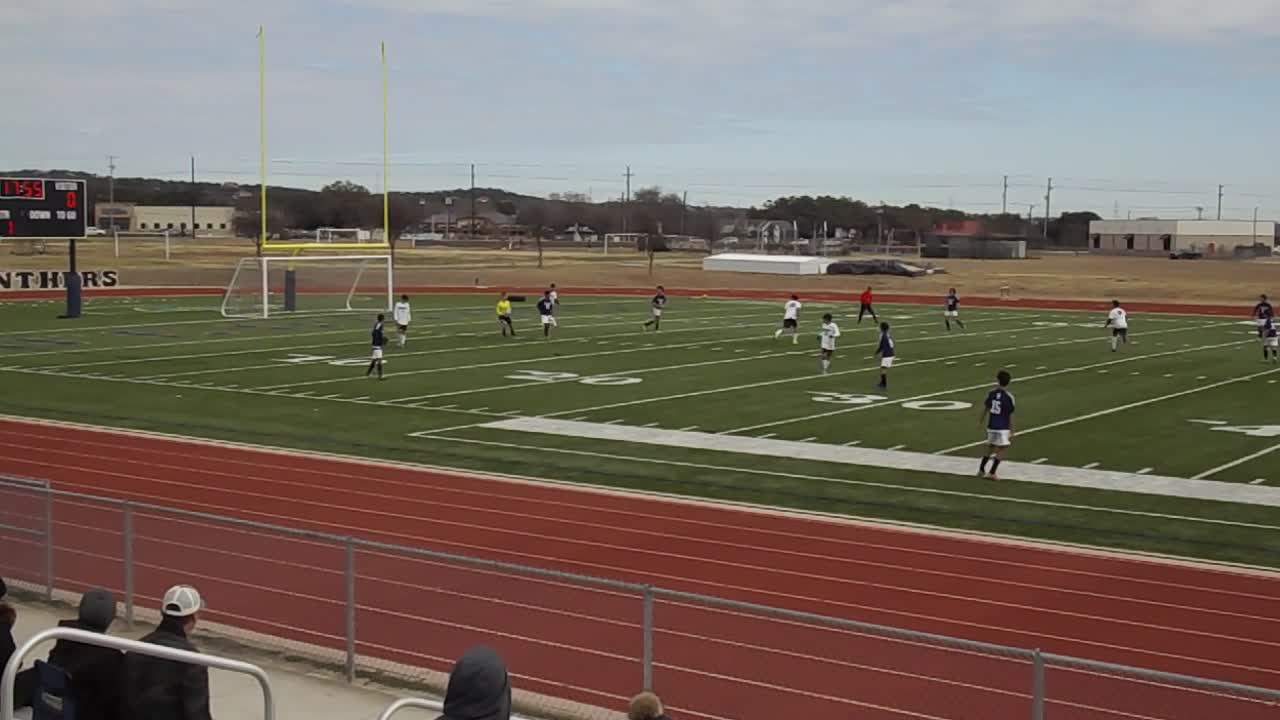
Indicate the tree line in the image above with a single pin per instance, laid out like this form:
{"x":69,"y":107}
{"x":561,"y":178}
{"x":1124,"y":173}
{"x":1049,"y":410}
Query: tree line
{"x":650,"y":210}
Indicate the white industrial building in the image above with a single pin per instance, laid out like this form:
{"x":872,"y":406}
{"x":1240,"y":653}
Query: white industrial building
{"x":1212,"y":238}
{"x":176,"y":219}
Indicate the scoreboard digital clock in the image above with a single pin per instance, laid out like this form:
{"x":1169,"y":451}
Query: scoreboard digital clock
{"x":42,"y":208}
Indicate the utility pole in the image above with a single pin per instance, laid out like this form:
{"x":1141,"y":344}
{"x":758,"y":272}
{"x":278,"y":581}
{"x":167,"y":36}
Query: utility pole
{"x":473,"y":201}
{"x":626,"y":201}
{"x":1221,"y":188}
{"x":1255,"y":224}
{"x":684,"y":211}
{"x":1199,"y":212}
{"x":1004,"y":197}
{"x":111,"y":178}
{"x":193,"y":197}
{"x":1048,"y":195}
{"x":1031,"y":218}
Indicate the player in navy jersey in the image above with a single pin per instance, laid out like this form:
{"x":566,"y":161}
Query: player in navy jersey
{"x":1262,"y":312}
{"x":887,"y":351}
{"x":1270,"y":340}
{"x":952,"y":312}
{"x":656,"y":305}
{"x":997,"y":414}
{"x":379,"y":342}
{"x":547,"y":310}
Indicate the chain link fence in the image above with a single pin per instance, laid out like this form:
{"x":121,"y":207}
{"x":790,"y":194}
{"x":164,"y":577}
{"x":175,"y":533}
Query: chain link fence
{"x":577,"y":646}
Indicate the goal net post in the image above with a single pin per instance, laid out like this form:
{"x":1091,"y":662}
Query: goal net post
{"x":266,"y":286}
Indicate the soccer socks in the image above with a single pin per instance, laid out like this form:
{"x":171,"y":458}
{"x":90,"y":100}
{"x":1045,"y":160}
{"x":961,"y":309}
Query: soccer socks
{"x":402,"y":340}
{"x":960,"y":323}
{"x":948,"y":322}
{"x":1115,"y":343}
{"x":884,"y":380}
{"x":995,"y":464}
{"x":795,"y":338}
{"x":826,"y":366}
{"x":777,"y":333}
{"x":546,"y":330}
{"x":372,"y":365}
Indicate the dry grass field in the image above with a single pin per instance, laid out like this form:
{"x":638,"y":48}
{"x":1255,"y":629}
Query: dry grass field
{"x":1087,"y":277}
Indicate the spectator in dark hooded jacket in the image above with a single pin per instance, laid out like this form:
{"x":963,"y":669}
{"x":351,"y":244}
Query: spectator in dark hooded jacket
{"x":8,"y":618}
{"x":95,"y":671}
{"x":646,"y":706}
{"x":479,"y":688}
{"x":157,"y":689}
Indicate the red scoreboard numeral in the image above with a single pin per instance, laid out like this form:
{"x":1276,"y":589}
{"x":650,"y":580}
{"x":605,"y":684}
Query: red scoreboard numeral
{"x":71,"y":200}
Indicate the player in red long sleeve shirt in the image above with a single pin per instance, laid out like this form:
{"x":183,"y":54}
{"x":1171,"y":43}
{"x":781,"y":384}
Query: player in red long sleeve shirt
{"x":866,"y":308}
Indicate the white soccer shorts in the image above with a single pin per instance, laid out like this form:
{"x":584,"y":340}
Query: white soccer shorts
{"x":548,"y":320}
{"x":1271,"y":341}
{"x":951,"y":313}
{"x":999,"y":438}
{"x":377,"y":353}
{"x":657,"y":312}
{"x":886,"y":362}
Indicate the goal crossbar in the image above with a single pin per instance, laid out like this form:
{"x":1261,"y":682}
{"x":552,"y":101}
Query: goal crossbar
{"x":265,"y":263}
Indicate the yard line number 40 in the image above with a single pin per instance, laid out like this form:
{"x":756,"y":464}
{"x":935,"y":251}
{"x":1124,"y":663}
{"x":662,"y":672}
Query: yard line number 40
{"x":857,"y":399}
{"x":549,"y":376}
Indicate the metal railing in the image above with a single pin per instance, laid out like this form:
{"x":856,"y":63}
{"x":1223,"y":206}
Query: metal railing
{"x":570,"y":639}
{"x":10,"y":676}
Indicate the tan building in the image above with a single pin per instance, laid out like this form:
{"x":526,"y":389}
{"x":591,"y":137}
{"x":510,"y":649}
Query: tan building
{"x":176,"y":219}
{"x":1211,"y":238}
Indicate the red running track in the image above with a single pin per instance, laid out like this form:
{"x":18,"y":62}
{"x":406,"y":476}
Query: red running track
{"x":584,"y":643}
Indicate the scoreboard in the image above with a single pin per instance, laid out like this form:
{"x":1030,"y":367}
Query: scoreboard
{"x":42,"y":208}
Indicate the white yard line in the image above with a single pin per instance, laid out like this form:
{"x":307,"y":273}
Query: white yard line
{"x":1235,"y":463}
{"x":765,"y":445}
{"x":1130,"y":406}
{"x":247,"y":391}
{"x":267,"y":336}
{"x":810,"y":378}
{"x":358,"y":333}
{"x":970,"y":388}
{"x":517,"y":361}
{"x":923,"y":490}
{"x":418,"y":353}
{"x":638,"y":371}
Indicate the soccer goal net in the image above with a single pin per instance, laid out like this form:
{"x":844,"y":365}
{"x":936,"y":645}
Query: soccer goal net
{"x":266,"y":286}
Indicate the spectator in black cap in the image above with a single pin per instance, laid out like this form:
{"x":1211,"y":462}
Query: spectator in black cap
{"x":8,"y":618}
{"x":479,"y":688}
{"x":95,"y":671}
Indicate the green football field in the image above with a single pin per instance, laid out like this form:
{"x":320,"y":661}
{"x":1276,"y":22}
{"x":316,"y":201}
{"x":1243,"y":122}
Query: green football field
{"x":714,"y":406}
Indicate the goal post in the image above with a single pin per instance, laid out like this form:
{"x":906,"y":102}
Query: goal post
{"x":265,"y":286}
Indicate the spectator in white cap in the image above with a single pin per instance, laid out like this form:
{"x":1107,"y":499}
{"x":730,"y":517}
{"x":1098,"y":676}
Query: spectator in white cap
{"x":156,"y":689}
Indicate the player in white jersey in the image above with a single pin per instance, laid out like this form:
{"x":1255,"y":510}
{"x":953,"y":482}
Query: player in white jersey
{"x":1118,"y":321}
{"x":402,"y":315}
{"x":790,"y":320}
{"x":555,"y":294}
{"x":827,"y":341}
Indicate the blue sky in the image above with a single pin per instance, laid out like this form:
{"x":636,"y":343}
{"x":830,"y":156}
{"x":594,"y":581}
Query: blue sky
{"x":1146,"y":104}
